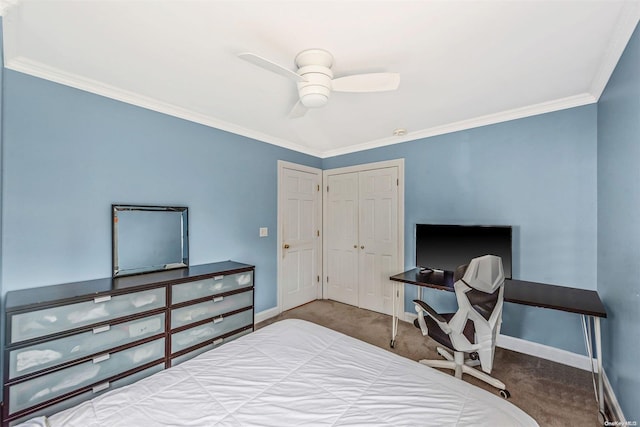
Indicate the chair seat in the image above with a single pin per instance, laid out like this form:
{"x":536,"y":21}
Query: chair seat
{"x":442,"y":337}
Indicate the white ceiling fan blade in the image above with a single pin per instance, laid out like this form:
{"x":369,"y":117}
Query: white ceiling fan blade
{"x":298,"y":110}
{"x":373,"y":82}
{"x":271,"y":66}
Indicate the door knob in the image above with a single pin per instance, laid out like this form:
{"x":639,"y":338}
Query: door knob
{"x":362,"y":247}
{"x":355,"y":246}
{"x":286,"y":246}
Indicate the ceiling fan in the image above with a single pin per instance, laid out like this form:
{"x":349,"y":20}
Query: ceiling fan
{"x":315,"y":80}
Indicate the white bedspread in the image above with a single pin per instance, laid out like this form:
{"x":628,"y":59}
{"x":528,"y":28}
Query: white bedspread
{"x":296,"y":373}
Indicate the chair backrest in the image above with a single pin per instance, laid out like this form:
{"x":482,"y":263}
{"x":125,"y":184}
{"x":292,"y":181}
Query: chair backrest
{"x":485,"y":273}
{"x":480,"y":294}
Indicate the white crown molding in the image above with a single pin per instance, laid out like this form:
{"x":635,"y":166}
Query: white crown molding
{"x":627,"y":22}
{"x":489,"y":119}
{"x":40,"y":70}
{"x":43,"y":71}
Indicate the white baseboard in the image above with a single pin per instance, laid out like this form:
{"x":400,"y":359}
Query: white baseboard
{"x":612,"y":401}
{"x":266,"y":314}
{"x":546,"y":352}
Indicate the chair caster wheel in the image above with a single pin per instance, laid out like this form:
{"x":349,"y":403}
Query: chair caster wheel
{"x":392,"y":344}
{"x":505,"y":394}
{"x":474,"y":356}
{"x":601,"y":417}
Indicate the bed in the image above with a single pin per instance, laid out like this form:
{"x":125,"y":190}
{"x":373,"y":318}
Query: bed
{"x":294,"y":373}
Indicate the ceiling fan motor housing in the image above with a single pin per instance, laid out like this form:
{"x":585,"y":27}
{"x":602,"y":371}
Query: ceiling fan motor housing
{"x":315,"y":66}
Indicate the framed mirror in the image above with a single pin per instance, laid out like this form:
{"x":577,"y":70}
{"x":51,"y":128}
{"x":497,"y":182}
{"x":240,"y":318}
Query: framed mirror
{"x":149,"y":238}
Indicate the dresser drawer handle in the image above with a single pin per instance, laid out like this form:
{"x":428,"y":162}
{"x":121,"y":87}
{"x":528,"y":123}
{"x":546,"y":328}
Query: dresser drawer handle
{"x":218,"y":277}
{"x":102,"y":358}
{"x":218,"y":341}
{"x":100,"y":329}
{"x":217,"y":299}
{"x":102,"y":299}
{"x":101,"y":387}
{"x":218,"y":319}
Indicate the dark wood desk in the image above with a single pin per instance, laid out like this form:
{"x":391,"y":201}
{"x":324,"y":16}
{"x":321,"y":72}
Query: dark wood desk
{"x":580,"y":301}
{"x":574,"y":300}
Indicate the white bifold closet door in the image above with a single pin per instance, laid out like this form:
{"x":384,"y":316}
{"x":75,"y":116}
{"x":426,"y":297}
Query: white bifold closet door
{"x":361,"y":240}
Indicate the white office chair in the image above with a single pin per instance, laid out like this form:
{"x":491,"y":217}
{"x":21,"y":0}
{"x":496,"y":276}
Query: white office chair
{"x":474,"y":327}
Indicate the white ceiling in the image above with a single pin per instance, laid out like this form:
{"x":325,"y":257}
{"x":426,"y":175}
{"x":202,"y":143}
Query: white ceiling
{"x":462,"y":63}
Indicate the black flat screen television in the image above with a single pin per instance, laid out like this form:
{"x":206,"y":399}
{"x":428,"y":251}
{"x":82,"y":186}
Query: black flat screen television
{"x":443,"y":247}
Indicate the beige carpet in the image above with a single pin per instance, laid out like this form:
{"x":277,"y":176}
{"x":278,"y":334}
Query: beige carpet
{"x":553,"y":394}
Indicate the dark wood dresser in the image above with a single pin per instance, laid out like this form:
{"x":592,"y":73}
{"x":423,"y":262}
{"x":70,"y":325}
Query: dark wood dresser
{"x":70,"y":342}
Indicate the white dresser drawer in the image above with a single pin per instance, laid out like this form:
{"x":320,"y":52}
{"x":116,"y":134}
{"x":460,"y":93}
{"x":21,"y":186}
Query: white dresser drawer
{"x":98,"y":390}
{"x":41,"y":389}
{"x":214,"y":307}
{"x":216,"y":343}
{"x":48,"y":321}
{"x":36,"y":357}
{"x":219,"y":326}
{"x":215,"y":285}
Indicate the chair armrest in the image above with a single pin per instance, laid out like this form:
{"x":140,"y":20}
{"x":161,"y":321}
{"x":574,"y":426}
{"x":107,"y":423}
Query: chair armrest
{"x":430,"y":311}
{"x":422,"y":307}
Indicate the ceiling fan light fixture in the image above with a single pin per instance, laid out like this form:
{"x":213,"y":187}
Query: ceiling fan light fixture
{"x":313,"y":95}
{"x":314,"y":100}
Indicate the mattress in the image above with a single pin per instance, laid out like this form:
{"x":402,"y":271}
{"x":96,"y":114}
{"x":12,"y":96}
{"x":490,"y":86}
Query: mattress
{"x":296,"y":373}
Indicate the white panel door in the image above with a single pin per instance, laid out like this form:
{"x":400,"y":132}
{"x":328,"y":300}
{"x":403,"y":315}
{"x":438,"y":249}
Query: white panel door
{"x":341,"y":240}
{"x":362,"y":243}
{"x":300,"y":228}
{"x":378,"y":232}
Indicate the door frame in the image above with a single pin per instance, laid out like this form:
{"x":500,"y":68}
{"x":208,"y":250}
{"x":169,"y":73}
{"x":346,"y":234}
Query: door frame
{"x":280,"y":232}
{"x":399,"y":163}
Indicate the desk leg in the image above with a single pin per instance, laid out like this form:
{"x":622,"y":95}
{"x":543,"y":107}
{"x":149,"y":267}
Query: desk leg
{"x":596,"y":321}
{"x":587,"y":321}
{"x":394,"y":317}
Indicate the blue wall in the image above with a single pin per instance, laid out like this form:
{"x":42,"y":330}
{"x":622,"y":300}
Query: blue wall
{"x":537,"y":174}
{"x":619,"y":226}
{"x":69,"y":154}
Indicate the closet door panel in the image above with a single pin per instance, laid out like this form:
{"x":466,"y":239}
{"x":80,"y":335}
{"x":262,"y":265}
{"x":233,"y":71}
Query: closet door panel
{"x":378,"y":225}
{"x":342,"y":238}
